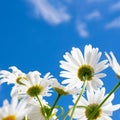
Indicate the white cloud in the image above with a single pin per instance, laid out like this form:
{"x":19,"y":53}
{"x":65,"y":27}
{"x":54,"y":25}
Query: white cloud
{"x":113,"y":24}
{"x":82,"y":30}
{"x":93,"y":15}
{"x":115,"y":7}
{"x":49,"y":12}
{"x":55,"y":12}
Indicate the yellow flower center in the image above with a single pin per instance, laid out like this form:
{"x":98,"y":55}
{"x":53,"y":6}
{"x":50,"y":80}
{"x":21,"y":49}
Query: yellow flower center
{"x":19,"y":78}
{"x":34,"y":90}
{"x":90,"y":108}
{"x":10,"y":117}
{"x":85,"y":72}
{"x":60,"y":91}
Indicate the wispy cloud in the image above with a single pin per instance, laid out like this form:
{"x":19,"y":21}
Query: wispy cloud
{"x":49,"y":12}
{"x":113,"y":24}
{"x":93,"y":15}
{"x":82,"y":29}
{"x":115,"y":7}
{"x":56,"y":12}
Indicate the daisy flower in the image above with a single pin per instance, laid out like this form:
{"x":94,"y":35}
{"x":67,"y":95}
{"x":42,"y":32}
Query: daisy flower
{"x":64,"y":90}
{"x":13,"y":77}
{"x":14,"y":111}
{"x":37,"y":113}
{"x":86,"y":106}
{"x":35,"y":85}
{"x":114,"y":63}
{"x":79,"y":67}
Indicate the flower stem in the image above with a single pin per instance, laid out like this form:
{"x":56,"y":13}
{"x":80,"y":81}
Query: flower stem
{"x":106,"y":98}
{"x":81,"y":93}
{"x":42,"y":107}
{"x":65,"y":116}
{"x":25,"y":118}
{"x":57,"y":99}
{"x":62,"y":112}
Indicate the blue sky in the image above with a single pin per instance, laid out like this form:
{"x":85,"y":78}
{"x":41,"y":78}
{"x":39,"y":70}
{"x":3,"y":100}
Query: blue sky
{"x":34,"y":35}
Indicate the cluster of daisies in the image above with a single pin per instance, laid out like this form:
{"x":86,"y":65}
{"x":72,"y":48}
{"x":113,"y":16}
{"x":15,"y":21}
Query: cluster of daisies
{"x":82,"y":73}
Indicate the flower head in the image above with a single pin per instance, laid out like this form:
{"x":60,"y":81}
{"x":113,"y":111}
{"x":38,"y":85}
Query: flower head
{"x":114,"y":63}
{"x":86,"y":106}
{"x":14,"y":111}
{"x":35,"y":85}
{"x":64,"y":90}
{"x":79,"y":67}
{"x":13,"y":77}
{"x":37,"y":112}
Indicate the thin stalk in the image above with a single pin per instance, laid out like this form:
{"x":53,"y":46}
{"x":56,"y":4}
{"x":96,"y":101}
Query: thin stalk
{"x":81,"y":93}
{"x":65,"y":116}
{"x":42,"y":107}
{"x":57,"y":99}
{"x":106,"y":98}
{"x":82,"y":107}
{"x":62,"y":112}
{"x":26,"y":118}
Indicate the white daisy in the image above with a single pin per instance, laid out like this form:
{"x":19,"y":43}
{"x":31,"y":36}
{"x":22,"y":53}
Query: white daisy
{"x":86,"y":107}
{"x":78,"y":67}
{"x":13,"y":77}
{"x":64,"y":90}
{"x":37,"y":113}
{"x":114,"y":63}
{"x":35,"y":85}
{"x":14,"y":111}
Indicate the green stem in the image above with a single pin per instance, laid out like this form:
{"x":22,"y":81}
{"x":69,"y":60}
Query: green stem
{"x":62,"y":112}
{"x":81,"y":93}
{"x":65,"y":116}
{"x":82,"y":107}
{"x":25,"y":118}
{"x":106,"y":98}
{"x":42,"y":107}
{"x":57,"y":99}
{"x":39,"y":101}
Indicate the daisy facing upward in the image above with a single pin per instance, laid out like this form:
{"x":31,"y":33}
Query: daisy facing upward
{"x":86,"y":106}
{"x":79,"y":67}
{"x":114,"y":64}
{"x":16,"y":110}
